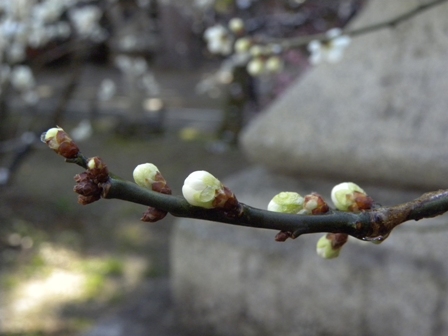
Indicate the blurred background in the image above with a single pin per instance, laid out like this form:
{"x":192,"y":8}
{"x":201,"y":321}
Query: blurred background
{"x":132,"y":81}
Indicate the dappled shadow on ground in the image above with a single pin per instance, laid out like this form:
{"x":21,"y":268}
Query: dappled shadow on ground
{"x":64,"y":267}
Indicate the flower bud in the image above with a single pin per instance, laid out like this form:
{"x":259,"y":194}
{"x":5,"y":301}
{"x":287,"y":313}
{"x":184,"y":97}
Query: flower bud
{"x":144,"y":175}
{"x":236,"y":25}
{"x":348,"y":196}
{"x":286,"y":202}
{"x":242,"y":45}
{"x":274,"y":64}
{"x":60,"y":142}
{"x":203,"y":190}
{"x":256,"y":50}
{"x":330,"y":245}
{"x":147,"y":175}
{"x":88,"y":191}
{"x":256,"y":67}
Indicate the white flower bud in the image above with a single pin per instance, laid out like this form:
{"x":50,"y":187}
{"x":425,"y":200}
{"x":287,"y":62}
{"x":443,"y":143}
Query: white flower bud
{"x":218,"y":40}
{"x":256,"y":50}
{"x":201,"y":189}
{"x":256,"y":67}
{"x":344,"y":195}
{"x":286,"y":202}
{"x":145,"y":175}
{"x":330,"y":51}
{"x":242,"y":45}
{"x":274,"y":64}
{"x":236,"y":25}
{"x":325,"y":249}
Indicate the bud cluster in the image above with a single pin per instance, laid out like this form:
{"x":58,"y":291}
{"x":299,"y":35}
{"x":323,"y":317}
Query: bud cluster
{"x":294,"y":203}
{"x":346,"y":196}
{"x":89,"y":183}
{"x":331,"y":50}
{"x":233,"y":38}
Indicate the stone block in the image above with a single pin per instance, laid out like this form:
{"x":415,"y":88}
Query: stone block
{"x":379,"y":115}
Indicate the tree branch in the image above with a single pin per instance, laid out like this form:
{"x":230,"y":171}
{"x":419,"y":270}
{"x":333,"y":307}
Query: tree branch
{"x":374,"y":224}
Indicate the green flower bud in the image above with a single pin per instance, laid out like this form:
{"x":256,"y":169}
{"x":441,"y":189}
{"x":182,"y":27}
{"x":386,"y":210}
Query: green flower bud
{"x":325,"y":249}
{"x":286,"y":202}
{"x":145,"y":175}
{"x":274,"y":64}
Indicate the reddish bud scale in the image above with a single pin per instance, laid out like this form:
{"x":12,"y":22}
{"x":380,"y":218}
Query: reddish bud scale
{"x":99,"y":172}
{"x":227,"y":201}
{"x":153,"y":215}
{"x":84,"y":200}
{"x":321,"y":207}
{"x":283,"y":236}
{"x":361,"y":202}
{"x":160,"y":185}
{"x":88,"y":191}
{"x":337,"y":239}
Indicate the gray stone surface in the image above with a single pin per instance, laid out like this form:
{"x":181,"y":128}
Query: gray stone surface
{"x":378,"y":115}
{"x":239,"y":281}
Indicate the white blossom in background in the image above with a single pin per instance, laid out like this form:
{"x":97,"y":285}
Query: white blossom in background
{"x":243,"y":45}
{"x":256,"y":66}
{"x":48,"y":11}
{"x":128,"y":42}
{"x":22,"y":78}
{"x":82,"y":131}
{"x":219,"y":40}
{"x":86,"y":21}
{"x":107,"y":89}
{"x":236,"y":25}
{"x":123,"y":62}
{"x":16,"y":52}
{"x":330,"y":51}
